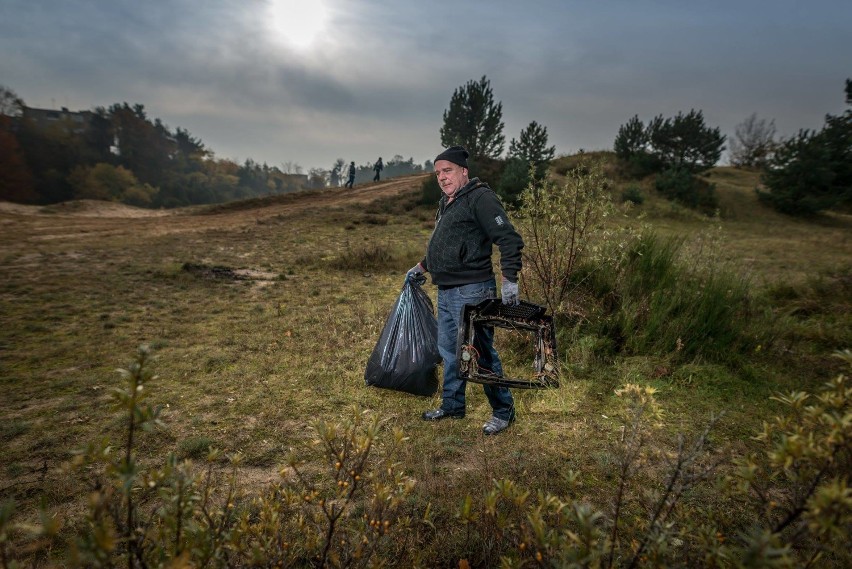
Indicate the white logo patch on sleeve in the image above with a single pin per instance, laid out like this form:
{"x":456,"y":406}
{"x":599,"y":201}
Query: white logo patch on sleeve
{"x":499,"y":220}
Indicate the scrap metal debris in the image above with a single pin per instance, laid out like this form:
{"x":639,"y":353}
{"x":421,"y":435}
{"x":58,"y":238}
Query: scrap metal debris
{"x":526,"y":316}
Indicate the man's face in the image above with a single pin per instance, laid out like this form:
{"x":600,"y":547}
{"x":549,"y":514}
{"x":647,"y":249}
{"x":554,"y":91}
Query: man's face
{"x":451,"y":177}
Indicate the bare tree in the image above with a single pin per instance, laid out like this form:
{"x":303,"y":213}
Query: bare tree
{"x":11,"y":105}
{"x":291,"y":168}
{"x":753,"y":143}
{"x":336,"y":173}
{"x":318,"y":178}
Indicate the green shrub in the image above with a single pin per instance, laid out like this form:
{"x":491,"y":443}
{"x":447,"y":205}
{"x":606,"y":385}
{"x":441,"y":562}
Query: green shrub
{"x":367,"y":257}
{"x":489,"y":170}
{"x":195,"y":447}
{"x":515,"y":178}
{"x":12,"y":429}
{"x":793,"y":496}
{"x":815,"y":314}
{"x":430,"y":191}
{"x":680,"y":185}
{"x":178,"y":516}
{"x":638,"y":166}
{"x":811,"y":171}
{"x":798,"y":488}
{"x":560,"y":225}
{"x":633,"y":194}
{"x":658,"y":306}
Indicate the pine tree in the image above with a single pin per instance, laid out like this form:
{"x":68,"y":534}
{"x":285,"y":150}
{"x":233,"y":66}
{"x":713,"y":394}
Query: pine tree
{"x":474,"y":121}
{"x":631,"y":139}
{"x":812,"y":171}
{"x":532,"y":147}
{"x":685,"y":142}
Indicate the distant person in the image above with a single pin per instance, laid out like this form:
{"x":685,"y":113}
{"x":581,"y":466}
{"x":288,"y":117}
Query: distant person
{"x":351,"y":181}
{"x":378,"y":168}
{"x":470,"y":221}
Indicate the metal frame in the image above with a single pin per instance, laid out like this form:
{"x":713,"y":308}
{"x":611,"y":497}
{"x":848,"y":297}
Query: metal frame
{"x":525,"y":316}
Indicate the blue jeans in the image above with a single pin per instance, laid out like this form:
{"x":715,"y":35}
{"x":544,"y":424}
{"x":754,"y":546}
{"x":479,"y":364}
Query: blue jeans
{"x":451,"y":301}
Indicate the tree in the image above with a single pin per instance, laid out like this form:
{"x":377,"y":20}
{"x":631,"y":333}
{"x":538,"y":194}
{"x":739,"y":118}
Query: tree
{"x":532,"y":147}
{"x":680,"y":142}
{"x":336,"y":173}
{"x":11,"y":105}
{"x":474,"y":121}
{"x":16,"y":180}
{"x":317,"y":178}
{"x":191,"y":152}
{"x":291,"y":168}
{"x":560,"y":225}
{"x":145,"y":148}
{"x":632,"y":147}
{"x":99,"y":138}
{"x":515,"y":178}
{"x":529,"y":157}
{"x":51,"y":154}
{"x":679,"y":185}
{"x":112,"y":183}
{"x":812,"y":171}
{"x":676,"y":149}
{"x":753,"y":143}
{"x":685,"y":142}
{"x":631,"y":139}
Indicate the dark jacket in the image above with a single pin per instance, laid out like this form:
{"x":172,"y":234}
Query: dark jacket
{"x":459,"y":251}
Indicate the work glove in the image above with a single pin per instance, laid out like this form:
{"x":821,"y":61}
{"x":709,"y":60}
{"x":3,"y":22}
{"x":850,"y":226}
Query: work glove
{"x":510,"y":292}
{"x":415,"y":272}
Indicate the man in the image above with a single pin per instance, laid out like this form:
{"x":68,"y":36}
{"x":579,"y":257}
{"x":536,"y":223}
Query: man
{"x":351,"y":181}
{"x":378,"y":168}
{"x":470,"y":220}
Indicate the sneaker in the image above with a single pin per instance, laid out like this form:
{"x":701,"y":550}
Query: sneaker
{"x":439,"y":414}
{"x":495,"y":425}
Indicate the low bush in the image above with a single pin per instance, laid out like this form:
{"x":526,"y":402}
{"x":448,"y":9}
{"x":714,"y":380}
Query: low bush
{"x":195,"y":447}
{"x":683,"y":187}
{"x":430,"y":192}
{"x":633,"y":194}
{"x":515,"y":178}
{"x":796,"y":496}
{"x":359,"y":508}
{"x":651,"y":303}
{"x":367,"y":257}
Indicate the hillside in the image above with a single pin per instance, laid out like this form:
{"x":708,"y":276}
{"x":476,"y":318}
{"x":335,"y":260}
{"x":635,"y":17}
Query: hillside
{"x":92,"y":218}
{"x":262,"y":314}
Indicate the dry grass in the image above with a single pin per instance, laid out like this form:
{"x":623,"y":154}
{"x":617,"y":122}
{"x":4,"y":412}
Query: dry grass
{"x":249,"y":364}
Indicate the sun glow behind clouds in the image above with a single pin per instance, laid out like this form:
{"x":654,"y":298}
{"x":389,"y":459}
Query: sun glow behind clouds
{"x":297,"y":23}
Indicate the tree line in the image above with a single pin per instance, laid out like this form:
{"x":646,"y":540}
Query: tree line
{"x":123,"y":155}
{"x":804,"y":174}
{"x":119,"y":153}
{"x":676,"y":149}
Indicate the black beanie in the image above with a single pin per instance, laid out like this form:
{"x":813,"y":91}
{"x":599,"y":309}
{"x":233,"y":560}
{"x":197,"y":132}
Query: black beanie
{"x":455,"y":154}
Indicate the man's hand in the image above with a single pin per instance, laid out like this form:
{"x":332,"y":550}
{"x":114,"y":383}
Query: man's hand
{"x":415,"y":271}
{"x":510,"y":292}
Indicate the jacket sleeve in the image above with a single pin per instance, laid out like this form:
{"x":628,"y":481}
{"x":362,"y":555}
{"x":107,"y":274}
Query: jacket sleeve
{"x":495,"y":223}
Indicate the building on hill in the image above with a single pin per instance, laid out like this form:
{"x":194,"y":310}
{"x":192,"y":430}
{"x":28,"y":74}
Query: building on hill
{"x":73,"y":122}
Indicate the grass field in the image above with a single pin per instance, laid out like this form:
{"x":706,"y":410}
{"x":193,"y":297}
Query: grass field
{"x":262,"y":315}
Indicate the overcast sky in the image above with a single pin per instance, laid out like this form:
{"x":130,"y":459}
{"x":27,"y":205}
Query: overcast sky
{"x":310,"y":81}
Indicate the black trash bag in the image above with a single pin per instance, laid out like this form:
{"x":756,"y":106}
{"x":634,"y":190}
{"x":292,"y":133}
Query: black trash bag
{"x":406,"y":354}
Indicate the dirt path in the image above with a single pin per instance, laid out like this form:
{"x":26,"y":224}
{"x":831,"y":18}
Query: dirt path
{"x":22,"y":225}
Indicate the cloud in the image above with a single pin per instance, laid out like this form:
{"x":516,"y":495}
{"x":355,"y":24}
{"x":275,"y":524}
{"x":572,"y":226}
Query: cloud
{"x":378,"y":78}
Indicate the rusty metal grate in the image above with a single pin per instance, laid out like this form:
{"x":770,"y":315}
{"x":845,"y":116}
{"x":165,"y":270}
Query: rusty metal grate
{"x":526,"y":317}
